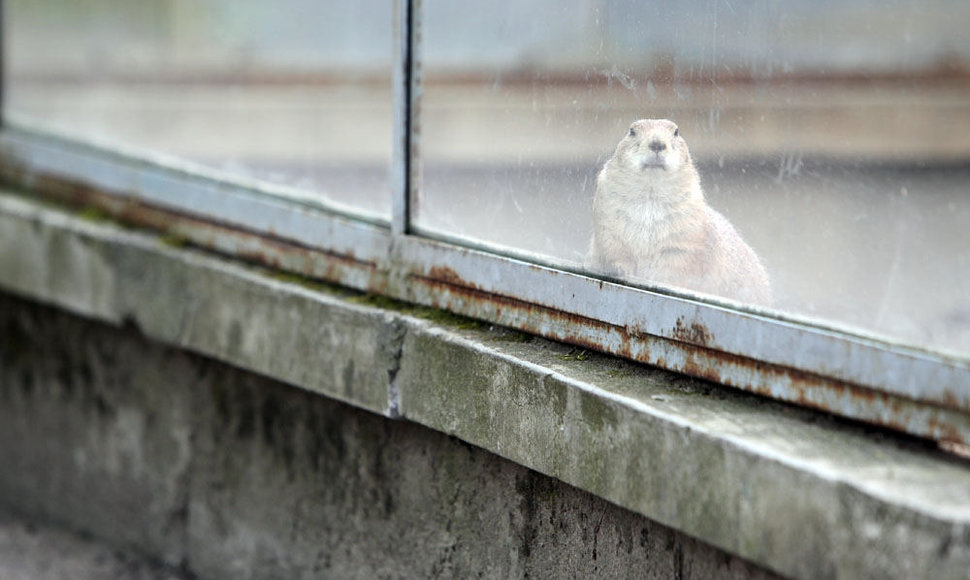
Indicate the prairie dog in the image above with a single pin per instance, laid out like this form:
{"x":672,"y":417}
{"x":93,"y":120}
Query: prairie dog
{"x":651,"y":223}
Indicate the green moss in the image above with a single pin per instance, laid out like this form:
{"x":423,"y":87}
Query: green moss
{"x":93,"y":214}
{"x":575,"y":354}
{"x":174,"y":240}
{"x":383,"y":302}
{"x":435,"y":315}
{"x":619,"y":373}
{"x":312,"y":284}
{"x":597,"y":413}
{"x":450,"y":319}
{"x":509,"y":335}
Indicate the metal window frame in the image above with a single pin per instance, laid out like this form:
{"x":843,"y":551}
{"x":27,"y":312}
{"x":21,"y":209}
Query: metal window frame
{"x":859,"y":376}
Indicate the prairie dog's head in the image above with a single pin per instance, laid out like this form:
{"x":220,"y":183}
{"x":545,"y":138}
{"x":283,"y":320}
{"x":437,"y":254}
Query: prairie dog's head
{"x":653,"y":145}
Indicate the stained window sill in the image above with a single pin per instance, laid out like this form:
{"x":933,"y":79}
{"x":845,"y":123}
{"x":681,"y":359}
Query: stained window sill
{"x":787,"y":488}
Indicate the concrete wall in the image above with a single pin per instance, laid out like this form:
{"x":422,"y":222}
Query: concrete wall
{"x":231,"y":475}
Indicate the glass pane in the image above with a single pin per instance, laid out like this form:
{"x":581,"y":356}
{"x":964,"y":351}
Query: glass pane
{"x":833,"y":137}
{"x":294,"y":93}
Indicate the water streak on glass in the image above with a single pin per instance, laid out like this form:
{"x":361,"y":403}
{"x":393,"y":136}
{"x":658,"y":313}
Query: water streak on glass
{"x":294,"y":93}
{"x":834,"y":136}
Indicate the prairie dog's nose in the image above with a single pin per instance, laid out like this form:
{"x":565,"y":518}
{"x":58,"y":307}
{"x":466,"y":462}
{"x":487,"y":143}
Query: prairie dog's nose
{"x":656,"y":145}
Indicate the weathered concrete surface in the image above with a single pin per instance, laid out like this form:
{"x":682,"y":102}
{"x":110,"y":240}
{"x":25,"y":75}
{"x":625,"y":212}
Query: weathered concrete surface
{"x":813,"y":497}
{"x":224,"y":474}
{"x":36,"y":551}
{"x":90,"y":438}
{"x":253,"y":480}
{"x":254,"y":321}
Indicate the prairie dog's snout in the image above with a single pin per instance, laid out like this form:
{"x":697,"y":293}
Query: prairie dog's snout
{"x":653,"y":144}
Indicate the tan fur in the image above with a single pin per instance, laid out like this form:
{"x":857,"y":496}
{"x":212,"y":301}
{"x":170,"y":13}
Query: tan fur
{"x":651,"y":223}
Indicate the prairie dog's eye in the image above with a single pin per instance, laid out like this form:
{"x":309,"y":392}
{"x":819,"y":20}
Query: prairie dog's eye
{"x":676,"y":132}
{"x":633,"y":132}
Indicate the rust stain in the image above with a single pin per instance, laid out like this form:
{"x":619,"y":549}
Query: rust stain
{"x":945,"y":432}
{"x":253,"y":247}
{"x":448,"y":276}
{"x":699,"y":361}
{"x":950,"y":400}
{"x":694,"y":333}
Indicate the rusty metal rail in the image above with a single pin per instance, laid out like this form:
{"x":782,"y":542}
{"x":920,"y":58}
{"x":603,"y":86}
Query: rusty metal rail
{"x":859,"y":377}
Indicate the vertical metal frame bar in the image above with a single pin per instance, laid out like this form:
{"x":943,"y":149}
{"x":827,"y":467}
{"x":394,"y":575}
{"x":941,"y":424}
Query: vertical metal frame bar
{"x":403,"y":91}
{"x":3,"y":62}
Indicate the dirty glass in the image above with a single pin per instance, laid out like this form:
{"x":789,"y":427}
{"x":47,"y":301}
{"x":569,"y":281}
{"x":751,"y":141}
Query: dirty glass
{"x":295,"y":93}
{"x":834,"y":138}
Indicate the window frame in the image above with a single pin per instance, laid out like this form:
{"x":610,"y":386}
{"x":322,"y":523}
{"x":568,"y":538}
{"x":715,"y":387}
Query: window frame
{"x":843,"y":371}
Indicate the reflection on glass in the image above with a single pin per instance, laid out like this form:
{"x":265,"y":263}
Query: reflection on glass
{"x":835,"y":141}
{"x":294,"y":93}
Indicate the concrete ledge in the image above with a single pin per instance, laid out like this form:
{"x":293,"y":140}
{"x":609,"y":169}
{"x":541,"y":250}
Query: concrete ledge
{"x":221,"y":473}
{"x":788,"y":489}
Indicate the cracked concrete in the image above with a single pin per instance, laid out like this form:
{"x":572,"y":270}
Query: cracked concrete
{"x":390,"y":347}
